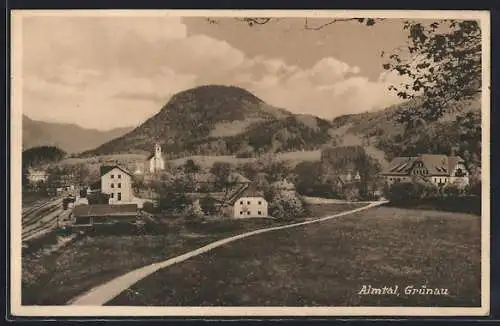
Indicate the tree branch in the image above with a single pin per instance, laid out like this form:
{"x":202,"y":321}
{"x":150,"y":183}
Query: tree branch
{"x":316,"y":28}
{"x":257,"y":21}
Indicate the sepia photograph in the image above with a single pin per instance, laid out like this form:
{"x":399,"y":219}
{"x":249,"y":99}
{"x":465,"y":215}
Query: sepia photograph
{"x":250,"y":163}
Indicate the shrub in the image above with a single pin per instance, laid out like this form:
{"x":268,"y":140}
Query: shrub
{"x":149,"y":207}
{"x":401,"y":191}
{"x":405,"y":191}
{"x":452,"y":190}
{"x":173,"y":202}
{"x":194,"y":211}
{"x":474,"y":187}
{"x":317,"y":190}
{"x":208,"y":205}
{"x":350,"y":193}
{"x":286,"y":205}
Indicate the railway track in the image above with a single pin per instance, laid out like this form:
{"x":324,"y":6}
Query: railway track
{"x":41,"y":218}
{"x":39,"y":205}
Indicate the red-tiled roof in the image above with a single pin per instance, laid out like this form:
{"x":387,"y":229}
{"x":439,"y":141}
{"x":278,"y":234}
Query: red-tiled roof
{"x":105,"y":210}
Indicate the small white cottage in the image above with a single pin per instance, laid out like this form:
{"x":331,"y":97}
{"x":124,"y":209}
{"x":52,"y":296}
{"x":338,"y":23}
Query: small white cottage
{"x":246,"y":207}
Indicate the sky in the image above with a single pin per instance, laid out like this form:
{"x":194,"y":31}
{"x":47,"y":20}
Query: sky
{"x":108,"y":72}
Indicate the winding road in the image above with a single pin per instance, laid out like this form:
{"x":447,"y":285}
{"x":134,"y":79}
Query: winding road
{"x":102,"y":294}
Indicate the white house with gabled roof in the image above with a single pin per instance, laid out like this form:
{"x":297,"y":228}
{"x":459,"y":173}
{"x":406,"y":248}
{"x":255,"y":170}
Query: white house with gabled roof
{"x":116,"y":181}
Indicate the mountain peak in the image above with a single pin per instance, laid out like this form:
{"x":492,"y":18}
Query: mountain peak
{"x":218,"y":119}
{"x":208,"y":91}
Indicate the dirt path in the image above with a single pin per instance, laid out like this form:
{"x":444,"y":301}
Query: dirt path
{"x":101,"y":294}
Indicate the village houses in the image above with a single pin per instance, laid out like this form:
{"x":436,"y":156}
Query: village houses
{"x":246,"y":207}
{"x":36,"y":176}
{"x":439,"y":169}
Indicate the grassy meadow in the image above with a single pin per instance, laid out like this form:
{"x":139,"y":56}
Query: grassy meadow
{"x":327,"y":264}
{"x":96,"y":258}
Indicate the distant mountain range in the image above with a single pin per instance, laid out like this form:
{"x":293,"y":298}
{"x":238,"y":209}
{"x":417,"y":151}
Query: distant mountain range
{"x":69,"y":137}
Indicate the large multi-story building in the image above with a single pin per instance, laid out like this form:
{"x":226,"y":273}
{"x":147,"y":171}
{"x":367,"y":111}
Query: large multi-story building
{"x":116,"y":181}
{"x":439,"y":169}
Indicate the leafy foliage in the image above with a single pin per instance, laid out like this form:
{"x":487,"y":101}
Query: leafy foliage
{"x":222,"y":172}
{"x":194,"y":211}
{"x":208,"y":205}
{"x":191,"y":167}
{"x":42,"y":155}
{"x":286,"y":205}
{"x":402,"y":192}
{"x":461,"y":136}
{"x":443,"y":64}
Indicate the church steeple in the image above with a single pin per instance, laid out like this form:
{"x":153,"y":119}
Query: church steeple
{"x":157,"y":150}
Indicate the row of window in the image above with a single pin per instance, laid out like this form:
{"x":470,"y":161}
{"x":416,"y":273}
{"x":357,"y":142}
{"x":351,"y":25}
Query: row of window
{"x":118,"y":185}
{"x":119,"y":176}
{"x":259,"y":212}
{"x":248,"y":202}
{"x":395,"y":179}
{"x":437,"y":180}
{"x":118,"y":196}
{"x":420,"y":172}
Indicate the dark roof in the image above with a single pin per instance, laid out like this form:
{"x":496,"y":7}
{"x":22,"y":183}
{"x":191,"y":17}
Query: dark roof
{"x":106,"y":168}
{"x":105,"y":210}
{"x":400,"y":166}
{"x":253,"y":191}
{"x":436,"y":164}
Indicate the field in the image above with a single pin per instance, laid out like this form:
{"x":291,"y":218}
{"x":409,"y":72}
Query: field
{"x":327,"y":264}
{"x":58,"y":277}
{"x":94,"y":162}
{"x":208,"y":161}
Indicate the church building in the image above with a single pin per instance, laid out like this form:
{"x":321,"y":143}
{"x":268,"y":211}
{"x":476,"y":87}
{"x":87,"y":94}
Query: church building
{"x":155,"y":160}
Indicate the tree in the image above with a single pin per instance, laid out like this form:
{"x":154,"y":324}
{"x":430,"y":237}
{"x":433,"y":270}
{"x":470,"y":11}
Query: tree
{"x":222,"y":172}
{"x":350,"y":192}
{"x":42,"y":155}
{"x":275,"y":170}
{"x":82,"y":174}
{"x":286,"y":205}
{"x":308,"y":176}
{"x":208,"y":205}
{"x":443,"y":65}
{"x":191,"y":167}
{"x":193,"y":210}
